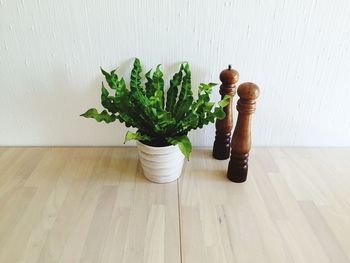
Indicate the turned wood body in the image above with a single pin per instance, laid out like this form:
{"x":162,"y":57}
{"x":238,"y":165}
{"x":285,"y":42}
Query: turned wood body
{"x":241,"y":138}
{"x":221,"y":148}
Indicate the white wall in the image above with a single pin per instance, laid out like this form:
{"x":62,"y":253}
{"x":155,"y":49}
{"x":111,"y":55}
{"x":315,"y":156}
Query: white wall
{"x":297,"y":51}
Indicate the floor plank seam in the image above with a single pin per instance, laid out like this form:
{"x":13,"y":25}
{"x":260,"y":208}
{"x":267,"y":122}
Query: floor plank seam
{"x":179,"y":216}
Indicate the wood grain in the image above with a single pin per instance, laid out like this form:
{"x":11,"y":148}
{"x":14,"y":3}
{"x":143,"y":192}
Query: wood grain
{"x":270,"y":218}
{"x":222,"y":142}
{"x":237,"y":170}
{"x":94,"y":205}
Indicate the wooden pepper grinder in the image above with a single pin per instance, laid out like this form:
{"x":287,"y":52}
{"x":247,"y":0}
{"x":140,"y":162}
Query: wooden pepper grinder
{"x":221,"y":148}
{"x":241,"y":139}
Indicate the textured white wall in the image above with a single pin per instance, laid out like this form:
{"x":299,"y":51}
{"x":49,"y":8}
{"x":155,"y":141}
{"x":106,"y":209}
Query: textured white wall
{"x":297,"y":51}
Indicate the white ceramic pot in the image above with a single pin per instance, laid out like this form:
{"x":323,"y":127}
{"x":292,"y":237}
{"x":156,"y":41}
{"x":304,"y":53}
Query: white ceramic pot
{"x":160,"y":164}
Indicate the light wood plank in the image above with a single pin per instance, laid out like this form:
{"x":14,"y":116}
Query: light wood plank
{"x":268,"y":218}
{"x":84,"y":205}
{"x":94,"y":205}
{"x":323,"y":232}
{"x":36,"y":219}
{"x":154,"y":210}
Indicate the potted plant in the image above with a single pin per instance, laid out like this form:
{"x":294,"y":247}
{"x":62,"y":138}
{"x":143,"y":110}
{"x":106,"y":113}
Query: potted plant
{"x":162,"y":120}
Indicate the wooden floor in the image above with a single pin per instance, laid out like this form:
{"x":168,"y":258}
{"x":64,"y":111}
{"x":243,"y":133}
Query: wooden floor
{"x":94,"y":205}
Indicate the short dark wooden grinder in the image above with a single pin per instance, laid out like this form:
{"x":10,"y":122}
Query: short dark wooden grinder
{"x":241,"y":139}
{"x":221,"y":148}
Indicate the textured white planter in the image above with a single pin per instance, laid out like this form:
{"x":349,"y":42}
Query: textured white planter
{"x":161,"y":164}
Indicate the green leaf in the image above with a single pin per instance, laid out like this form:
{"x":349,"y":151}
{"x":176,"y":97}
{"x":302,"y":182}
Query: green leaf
{"x":183,"y":108}
{"x":103,"y":116}
{"x":191,"y":120}
{"x":107,"y":101}
{"x":225,"y":101}
{"x":219,"y":113}
{"x":173,"y":90}
{"x":135,"y":78}
{"x":165,"y":122}
{"x":207,"y":88}
{"x":136,"y":136}
{"x":139,"y":102}
{"x":208,"y":106}
{"x":149,"y":84}
{"x":145,"y":109}
{"x":184,"y":144}
{"x":186,"y":96}
{"x":104,"y":91}
{"x":105,"y":73}
{"x":111,"y":78}
{"x":158,"y":85}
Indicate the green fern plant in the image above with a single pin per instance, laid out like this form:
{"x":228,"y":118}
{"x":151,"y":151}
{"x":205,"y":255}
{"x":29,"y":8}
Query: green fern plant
{"x":161,"y":119}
